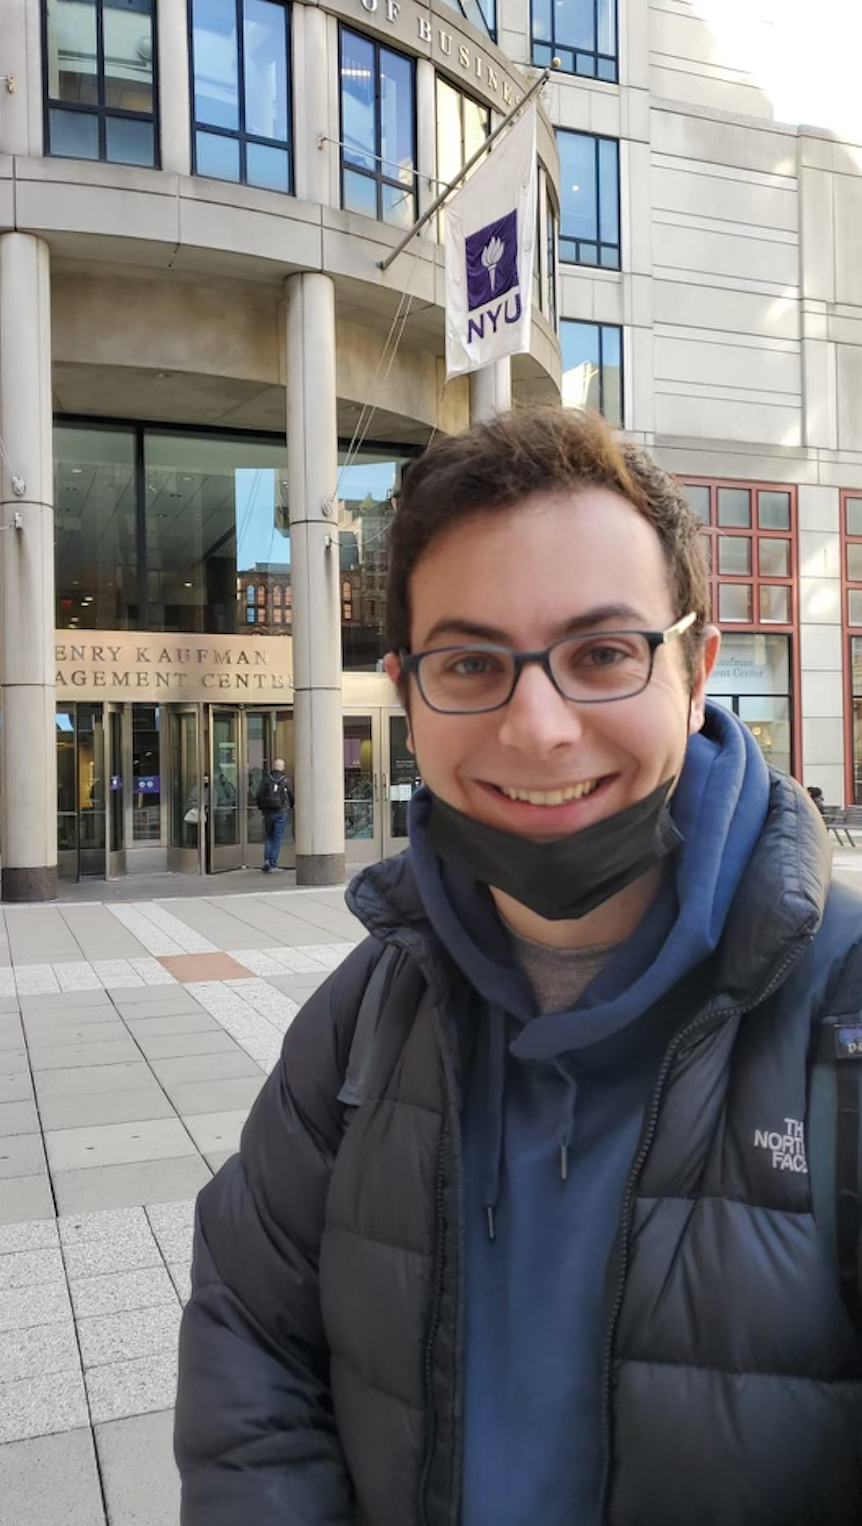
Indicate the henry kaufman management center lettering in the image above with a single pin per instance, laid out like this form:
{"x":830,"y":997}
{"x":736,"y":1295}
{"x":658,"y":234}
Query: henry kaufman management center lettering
{"x":224,"y":667}
{"x":490,"y":238}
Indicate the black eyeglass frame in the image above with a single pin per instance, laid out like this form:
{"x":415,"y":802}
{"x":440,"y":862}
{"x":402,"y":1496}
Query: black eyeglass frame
{"x":411,"y":662}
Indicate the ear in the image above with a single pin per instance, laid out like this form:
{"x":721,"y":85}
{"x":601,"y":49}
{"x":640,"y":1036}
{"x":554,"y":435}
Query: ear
{"x":710,"y":645}
{"x":392,"y":669}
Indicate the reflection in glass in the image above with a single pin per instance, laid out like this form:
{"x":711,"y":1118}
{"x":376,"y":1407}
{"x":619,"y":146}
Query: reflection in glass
{"x":265,"y":64}
{"x":146,"y":781}
{"x":358,"y":777}
{"x":854,"y":606}
{"x":583,"y":34}
{"x":734,"y":601}
{"x":698,"y":497}
{"x":100,"y":57}
{"x":267,"y":167}
{"x":854,"y":562}
{"x":734,"y":554}
{"x":216,"y":518}
{"x":217,"y":157}
{"x":67,"y":804}
{"x":128,"y":47}
{"x":773,"y":510}
{"x":216,"y":67}
{"x":462,"y":127}
{"x":774,"y":558}
{"x":853,"y":511}
{"x":774,"y":604}
{"x":366,"y":508}
{"x":404,"y":777}
{"x":856,"y":682}
{"x":187,"y":808}
{"x":72,"y":61}
{"x":377,"y":130}
{"x":768,"y":720}
{"x":734,"y":507}
{"x":116,"y":791}
{"x":592,"y":368}
{"x":95,"y":529}
{"x":224,"y":781}
{"x":589,"y":194}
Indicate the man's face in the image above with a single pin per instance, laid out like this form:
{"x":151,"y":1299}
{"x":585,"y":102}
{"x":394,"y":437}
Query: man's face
{"x":522,"y":579}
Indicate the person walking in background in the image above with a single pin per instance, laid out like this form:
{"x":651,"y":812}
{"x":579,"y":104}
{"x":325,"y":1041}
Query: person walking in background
{"x":274,"y":799}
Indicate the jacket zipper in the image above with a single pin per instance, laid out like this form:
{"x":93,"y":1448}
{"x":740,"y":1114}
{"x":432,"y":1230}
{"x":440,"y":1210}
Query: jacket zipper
{"x":694,"y":1027}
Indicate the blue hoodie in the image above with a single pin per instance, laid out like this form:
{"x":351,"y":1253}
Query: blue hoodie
{"x":551,"y":1122}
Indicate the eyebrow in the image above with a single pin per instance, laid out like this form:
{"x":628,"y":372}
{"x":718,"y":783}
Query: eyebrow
{"x":591,"y":620}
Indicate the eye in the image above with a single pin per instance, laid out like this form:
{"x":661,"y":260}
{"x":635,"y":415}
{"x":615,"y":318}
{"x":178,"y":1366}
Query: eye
{"x":472,"y":664}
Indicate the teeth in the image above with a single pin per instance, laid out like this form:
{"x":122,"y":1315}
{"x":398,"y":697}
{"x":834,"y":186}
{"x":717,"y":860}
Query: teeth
{"x":553,"y":796}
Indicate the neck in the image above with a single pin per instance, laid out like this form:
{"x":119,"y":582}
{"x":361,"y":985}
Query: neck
{"x":611,"y":922}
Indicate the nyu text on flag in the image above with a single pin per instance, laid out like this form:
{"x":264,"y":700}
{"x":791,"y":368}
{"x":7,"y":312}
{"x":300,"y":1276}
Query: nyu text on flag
{"x":490,"y":247}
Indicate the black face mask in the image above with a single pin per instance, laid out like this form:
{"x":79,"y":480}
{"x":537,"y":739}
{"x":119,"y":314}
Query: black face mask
{"x":566,"y":878}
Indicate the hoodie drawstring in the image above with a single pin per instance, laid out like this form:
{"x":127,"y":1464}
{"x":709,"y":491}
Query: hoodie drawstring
{"x":567,"y":1121}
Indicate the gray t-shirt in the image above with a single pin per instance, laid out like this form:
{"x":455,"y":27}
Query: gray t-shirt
{"x":559,"y":976}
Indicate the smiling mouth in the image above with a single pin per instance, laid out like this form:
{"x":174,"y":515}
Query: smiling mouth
{"x":551,"y":796}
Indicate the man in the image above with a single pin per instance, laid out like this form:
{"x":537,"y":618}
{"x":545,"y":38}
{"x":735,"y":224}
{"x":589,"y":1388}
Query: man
{"x":274,"y":799}
{"x":560,"y":1266}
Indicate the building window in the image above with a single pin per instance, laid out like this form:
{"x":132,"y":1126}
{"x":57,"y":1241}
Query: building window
{"x":590,"y":199}
{"x":239,"y":58}
{"x":581,"y":33}
{"x":378,"y":131}
{"x":462,"y":127}
{"x":592,"y":355}
{"x":750,"y":534}
{"x":851,"y":585}
{"x":101,"y":80}
{"x":551,"y":258}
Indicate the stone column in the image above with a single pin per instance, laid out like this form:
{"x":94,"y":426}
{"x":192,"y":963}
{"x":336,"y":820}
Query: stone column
{"x":315,"y":115}
{"x":28,"y":757}
{"x":174,"y":89}
{"x":490,"y":390}
{"x":312,"y":472}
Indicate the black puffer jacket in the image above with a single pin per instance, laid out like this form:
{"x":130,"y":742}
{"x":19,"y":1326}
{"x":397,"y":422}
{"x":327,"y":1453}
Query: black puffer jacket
{"x":321,"y":1362}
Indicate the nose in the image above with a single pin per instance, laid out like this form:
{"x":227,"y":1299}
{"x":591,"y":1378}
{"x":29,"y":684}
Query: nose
{"x":537,"y":718}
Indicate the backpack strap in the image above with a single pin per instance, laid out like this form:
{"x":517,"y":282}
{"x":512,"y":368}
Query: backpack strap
{"x":840,"y":1049}
{"x":370,"y":1008}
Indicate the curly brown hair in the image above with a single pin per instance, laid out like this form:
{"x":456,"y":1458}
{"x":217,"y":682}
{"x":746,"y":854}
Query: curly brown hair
{"x":498,"y":464}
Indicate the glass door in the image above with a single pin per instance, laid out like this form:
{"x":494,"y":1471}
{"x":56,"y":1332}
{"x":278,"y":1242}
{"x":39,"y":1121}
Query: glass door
{"x":225,"y":826}
{"x":363,"y":841}
{"x":186,"y":794}
{"x":400,"y":781}
{"x":92,"y":791}
{"x":117,"y":792}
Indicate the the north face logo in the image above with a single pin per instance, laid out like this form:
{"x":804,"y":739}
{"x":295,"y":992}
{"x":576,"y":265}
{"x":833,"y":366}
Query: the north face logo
{"x":787,"y":1149}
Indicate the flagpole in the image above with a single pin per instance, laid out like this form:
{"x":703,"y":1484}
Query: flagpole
{"x":474,"y":159}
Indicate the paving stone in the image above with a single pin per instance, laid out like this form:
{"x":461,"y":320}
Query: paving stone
{"x":43,"y":1304}
{"x":102,"y":1258}
{"x":77,"y":976}
{"x":21,"y":1155}
{"x":64,"y":1001}
{"x":130,"y":1224}
{"x":173,"y":1046}
{"x":67,"y":1056}
{"x":11,"y":1031}
{"x":203,"y":1067}
{"x":44,"y":1033}
{"x":172,"y":998}
{"x":146,"y":1102}
{"x":218,"y":1158}
{"x":131,"y":1334}
{"x":132,"y":1388}
{"x":23,"y":1197}
{"x":217,"y":1132}
{"x":32,"y":1234}
{"x":41,"y":1405}
{"x":152,"y":972}
{"x":18,"y":1118}
{"x":181,"y":1277}
{"x":53,"y":1481}
{"x":120,"y":1291}
{"x":150,"y":1181}
{"x":27,"y":1268}
{"x":14,"y":1062}
{"x":214,"y":1096}
{"x":115,"y":1144}
{"x":140,"y":1446}
{"x":173,"y":1226}
{"x":38,"y":1349}
{"x":75,"y":1081}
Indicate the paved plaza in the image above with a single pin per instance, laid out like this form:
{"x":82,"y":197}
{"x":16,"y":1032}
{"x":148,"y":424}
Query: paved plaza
{"x":134,"y":1035}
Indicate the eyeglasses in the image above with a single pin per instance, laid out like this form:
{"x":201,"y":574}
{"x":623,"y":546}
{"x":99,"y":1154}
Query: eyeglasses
{"x":594,"y":668}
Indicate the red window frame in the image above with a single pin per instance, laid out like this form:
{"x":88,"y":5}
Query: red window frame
{"x":756,"y":580}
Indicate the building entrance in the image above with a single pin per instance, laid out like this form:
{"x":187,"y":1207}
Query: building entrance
{"x":380,"y":775}
{"x":92,"y":779}
{"x":242,"y":746}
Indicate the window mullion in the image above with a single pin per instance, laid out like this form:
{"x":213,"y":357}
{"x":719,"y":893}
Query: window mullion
{"x":240,"y":87}
{"x":100,"y":82}
{"x":378,"y":130}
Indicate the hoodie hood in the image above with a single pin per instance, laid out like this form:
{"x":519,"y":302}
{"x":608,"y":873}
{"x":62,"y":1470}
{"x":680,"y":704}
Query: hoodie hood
{"x":720,"y":807}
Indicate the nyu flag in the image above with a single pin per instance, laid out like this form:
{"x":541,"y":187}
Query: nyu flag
{"x":490,"y":238}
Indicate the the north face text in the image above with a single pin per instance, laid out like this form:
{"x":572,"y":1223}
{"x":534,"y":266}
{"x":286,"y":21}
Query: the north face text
{"x":787,"y":1149}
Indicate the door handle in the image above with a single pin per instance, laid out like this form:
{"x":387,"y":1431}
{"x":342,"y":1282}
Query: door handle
{"x":376,"y":778}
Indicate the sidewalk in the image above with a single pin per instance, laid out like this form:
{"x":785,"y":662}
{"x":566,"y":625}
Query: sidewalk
{"x":134,"y":1036}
